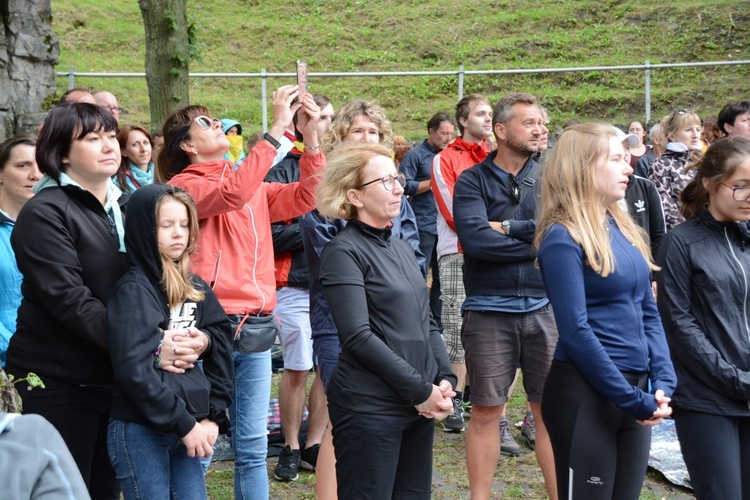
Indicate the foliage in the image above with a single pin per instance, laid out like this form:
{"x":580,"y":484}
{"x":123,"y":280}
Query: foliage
{"x":409,"y":35}
{"x":10,"y":400}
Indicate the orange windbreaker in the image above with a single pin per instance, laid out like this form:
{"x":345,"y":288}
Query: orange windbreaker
{"x":234,"y":253}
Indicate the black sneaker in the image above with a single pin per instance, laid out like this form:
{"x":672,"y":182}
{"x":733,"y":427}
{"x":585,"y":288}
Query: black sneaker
{"x":455,"y":422}
{"x":286,"y":468}
{"x":309,"y":457}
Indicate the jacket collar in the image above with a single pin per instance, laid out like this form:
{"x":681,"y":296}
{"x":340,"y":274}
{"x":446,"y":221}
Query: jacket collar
{"x":383,"y":234}
{"x":742,"y":229}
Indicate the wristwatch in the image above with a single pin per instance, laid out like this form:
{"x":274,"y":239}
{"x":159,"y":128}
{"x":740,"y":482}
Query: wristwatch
{"x":221,"y":419}
{"x":506,"y":227}
{"x":272,"y":140}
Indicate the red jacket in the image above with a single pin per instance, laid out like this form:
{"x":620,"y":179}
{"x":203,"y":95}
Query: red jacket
{"x":446,"y":167}
{"x":234,"y":253}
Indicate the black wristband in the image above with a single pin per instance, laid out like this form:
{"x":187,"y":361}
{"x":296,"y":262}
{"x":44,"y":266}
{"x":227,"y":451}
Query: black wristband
{"x":221,"y":419}
{"x":272,"y":140}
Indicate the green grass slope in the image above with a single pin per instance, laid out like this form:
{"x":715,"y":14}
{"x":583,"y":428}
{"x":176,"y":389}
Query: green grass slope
{"x":389,"y":35}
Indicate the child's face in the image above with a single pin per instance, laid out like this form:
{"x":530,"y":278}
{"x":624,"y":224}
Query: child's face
{"x":233,"y":131}
{"x":173,"y":231}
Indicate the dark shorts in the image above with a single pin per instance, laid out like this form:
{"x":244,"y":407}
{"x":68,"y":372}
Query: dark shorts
{"x":326,"y":348}
{"x":495,"y":343}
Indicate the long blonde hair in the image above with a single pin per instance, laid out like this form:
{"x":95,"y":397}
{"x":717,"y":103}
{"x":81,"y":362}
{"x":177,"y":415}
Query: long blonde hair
{"x":569,"y":197}
{"x":176,"y":273}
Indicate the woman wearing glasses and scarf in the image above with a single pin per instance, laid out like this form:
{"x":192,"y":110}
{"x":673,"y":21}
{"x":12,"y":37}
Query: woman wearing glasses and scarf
{"x":704,"y":303}
{"x":235,"y":250}
{"x":683,"y":130}
{"x":393,"y":375}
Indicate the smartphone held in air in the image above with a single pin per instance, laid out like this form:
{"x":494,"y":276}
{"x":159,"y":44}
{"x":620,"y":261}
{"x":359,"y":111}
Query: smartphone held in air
{"x":302,"y":77}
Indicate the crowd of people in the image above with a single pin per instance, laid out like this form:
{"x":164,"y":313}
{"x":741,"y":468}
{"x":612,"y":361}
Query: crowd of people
{"x":148,"y":274}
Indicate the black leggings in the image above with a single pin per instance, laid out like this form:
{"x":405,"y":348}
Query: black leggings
{"x":716,"y":450}
{"x":600,"y":452}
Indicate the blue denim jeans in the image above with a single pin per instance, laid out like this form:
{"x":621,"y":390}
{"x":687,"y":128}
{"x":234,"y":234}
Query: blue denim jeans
{"x":249,"y":416}
{"x":152,"y":464}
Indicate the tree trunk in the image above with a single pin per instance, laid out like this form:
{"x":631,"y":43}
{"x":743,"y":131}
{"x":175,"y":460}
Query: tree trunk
{"x":9,"y":400}
{"x":167,"y":56}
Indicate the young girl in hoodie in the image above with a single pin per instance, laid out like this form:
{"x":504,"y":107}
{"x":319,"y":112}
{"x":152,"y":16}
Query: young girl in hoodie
{"x":162,"y":423}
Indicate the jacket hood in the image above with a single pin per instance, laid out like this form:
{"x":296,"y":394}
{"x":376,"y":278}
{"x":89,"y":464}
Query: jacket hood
{"x":227,"y":123}
{"x":140,"y":230}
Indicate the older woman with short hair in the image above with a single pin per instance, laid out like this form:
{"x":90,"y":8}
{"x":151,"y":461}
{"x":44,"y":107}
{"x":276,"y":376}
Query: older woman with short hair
{"x":683,"y":130}
{"x":393,"y":372}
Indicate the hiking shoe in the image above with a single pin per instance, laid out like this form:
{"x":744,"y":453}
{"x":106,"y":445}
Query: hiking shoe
{"x":309,"y":457}
{"x":528,"y":431}
{"x":455,"y":422}
{"x":508,"y":445}
{"x":286,"y":468}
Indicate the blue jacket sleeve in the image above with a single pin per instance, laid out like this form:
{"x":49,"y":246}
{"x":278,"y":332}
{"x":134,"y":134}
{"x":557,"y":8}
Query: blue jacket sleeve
{"x":661,"y":371}
{"x":478,"y":239}
{"x":407,"y":229}
{"x":561,"y":263}
{"x":409,"y":166}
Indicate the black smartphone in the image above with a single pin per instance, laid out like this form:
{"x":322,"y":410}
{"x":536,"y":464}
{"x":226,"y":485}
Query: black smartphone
{"x":302,"y":77}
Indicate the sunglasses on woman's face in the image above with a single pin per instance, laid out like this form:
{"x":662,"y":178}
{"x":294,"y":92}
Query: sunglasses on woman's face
{"x":205,"y":121}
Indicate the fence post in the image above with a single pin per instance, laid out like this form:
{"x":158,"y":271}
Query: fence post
{"x":72,"y":78}
{"x":648,"y":93}
{"x":460,"y":82}
{"x":264,"y":99}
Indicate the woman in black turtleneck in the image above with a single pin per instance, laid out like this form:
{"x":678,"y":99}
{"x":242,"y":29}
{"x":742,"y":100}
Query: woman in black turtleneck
{"x":393,"y":375}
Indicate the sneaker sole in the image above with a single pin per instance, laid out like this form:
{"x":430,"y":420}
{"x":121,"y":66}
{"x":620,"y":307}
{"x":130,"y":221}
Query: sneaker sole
{"x":446,"y":429}
{"x":285,"y":480}
{"x":528,"y":442}
{"x":306,"y":465}
{"x":510,"y":453}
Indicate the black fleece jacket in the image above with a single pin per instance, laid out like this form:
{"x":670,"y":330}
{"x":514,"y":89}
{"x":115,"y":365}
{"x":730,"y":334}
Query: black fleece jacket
{"x":391,"y":351}
{"x":704,"y":305}
{"x":136,"y":314}
{"x":67,"y":249}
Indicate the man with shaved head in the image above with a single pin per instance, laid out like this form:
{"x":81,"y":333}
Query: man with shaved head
{"x":108,"y":101}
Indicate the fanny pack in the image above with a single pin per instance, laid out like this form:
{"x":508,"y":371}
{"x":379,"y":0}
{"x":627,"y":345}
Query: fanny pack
{"x":254,"y":333}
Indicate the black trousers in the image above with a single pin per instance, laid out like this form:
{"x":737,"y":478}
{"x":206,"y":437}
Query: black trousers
{"x":382,"y":456}
{"x":81,"y":416}
{"x":600,"y":452}
{"x":716,"y":450}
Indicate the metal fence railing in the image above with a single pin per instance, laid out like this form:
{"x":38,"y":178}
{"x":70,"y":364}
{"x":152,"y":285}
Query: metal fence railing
{"x":461,"y":72}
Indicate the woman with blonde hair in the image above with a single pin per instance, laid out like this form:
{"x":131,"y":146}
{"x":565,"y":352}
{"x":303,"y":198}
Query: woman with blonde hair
{"x":162,"y":423}
{"x":703,"y":301}
{"x":595,"y":262}
{"x":393,"y":373}
{"x":358,"y":121}
{"x":683,"y":130}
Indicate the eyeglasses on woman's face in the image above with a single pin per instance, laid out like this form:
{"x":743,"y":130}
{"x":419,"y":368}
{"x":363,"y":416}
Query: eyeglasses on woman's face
{"x":739,"y":193}
{"x":389,"y":182}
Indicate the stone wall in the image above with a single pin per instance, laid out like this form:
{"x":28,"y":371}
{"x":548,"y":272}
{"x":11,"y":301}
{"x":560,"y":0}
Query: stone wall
{"x":29,"y":52}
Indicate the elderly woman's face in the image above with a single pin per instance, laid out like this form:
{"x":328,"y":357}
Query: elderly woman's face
{"x":376,"y":204}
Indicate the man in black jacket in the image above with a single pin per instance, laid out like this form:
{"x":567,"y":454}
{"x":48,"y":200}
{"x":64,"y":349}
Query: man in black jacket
{"x":507,"y":316}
